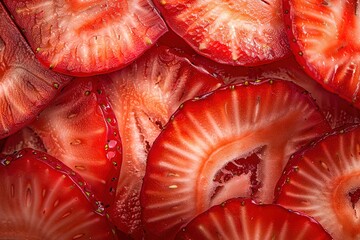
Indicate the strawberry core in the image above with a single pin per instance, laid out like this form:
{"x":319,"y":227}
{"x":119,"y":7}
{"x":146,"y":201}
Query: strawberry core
{"x":241,"y":173}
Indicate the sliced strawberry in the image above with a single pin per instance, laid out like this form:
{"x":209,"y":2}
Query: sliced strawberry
{"x":41,"y":198}
{"x":323,"y":182}
{"x":337,"y":110}
{"x":87,"y":37}
{"x":25,"y":138}
{"x":246,"y":220}
{"x":231,"y":32}
{"x":144,"y":95}
{"x":26,"y":86}
{"x":80,"y":129}
{"x":322,"y":38}
{"x":216,"y":137}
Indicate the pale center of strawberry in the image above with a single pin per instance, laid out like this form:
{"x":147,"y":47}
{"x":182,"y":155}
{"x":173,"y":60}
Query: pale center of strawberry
{"x":346,"y":204}
{"x":80,"y":5}
{"x":237,"y":178}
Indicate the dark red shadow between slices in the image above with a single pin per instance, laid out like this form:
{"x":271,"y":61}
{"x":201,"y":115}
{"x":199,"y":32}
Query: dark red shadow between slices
{"x":26,"y":87}
{"x":233,"y":142}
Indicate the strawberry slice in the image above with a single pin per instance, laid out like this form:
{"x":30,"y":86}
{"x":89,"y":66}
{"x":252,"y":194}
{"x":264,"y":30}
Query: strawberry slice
{"x":323,"y":182}
{"x":80,"y":129}
{"x":87,"y":37}
{"x":25,"y":138}
{"x":26,"y":86}
{"x":230,"y":32}
{"x":337,"y":110}
{"x":203,"y":155}
{"x":41,"y":198}
{"x":322,"y":38}
{"x":144,"y":95}
{"x":244,"y":219}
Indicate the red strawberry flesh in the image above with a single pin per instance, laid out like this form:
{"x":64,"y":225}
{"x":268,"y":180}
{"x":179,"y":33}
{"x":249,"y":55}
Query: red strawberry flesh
{"x":80,"y":129}
{"x":26,"y":87}
{"x":41,"y":198}
{"x":87,"y":37}
{"x":230,"y":32}
{"x":144,"y":95}
{"x":322,"y":37}
{"x":337,"y":110}
{"x":206,"y":134}
{"x":322,"y":181}
{"x":244,"y":219}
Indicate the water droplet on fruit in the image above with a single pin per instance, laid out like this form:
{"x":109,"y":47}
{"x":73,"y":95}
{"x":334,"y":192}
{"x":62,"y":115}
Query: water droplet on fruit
{"x":112,"y":144}
{"x":110,"y":155}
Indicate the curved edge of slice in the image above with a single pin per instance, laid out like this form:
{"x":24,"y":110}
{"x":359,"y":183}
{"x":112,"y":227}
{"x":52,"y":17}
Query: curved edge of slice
{"x":337,"y":110}
{"x":238,"y":135}
{"x":246,"y":33}
{"x":321,"y":36}
{"x":43,"y":198}
{"x":143,"y":96}
{"x":86,"y":38}
{"x":322,"y":181}
{"x":26,"y":86}
{"x":24,"y":138}
{"x":247,"y":220}
{"x":80,"y":129}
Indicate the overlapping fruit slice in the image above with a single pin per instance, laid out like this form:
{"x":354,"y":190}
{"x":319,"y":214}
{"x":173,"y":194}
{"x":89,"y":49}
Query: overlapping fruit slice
{"x":25,"y":138}
{"x":322,"y":35}
{"x":323,"y":182}
{"x":80,"y":129}
{"x":41,"y":198}
{"x":233,"y":32}
{"x":144,"y":95}
{"x":337,"y":110}
{"x":233,"y":142}
{"x":26,"y":87}
{"x":87,"y":37}
{"x":244,"y":219}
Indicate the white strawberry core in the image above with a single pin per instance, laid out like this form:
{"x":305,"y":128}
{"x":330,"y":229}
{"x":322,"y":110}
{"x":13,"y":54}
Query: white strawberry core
{"x":347,"y":213}
{"x":238,"y":186}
